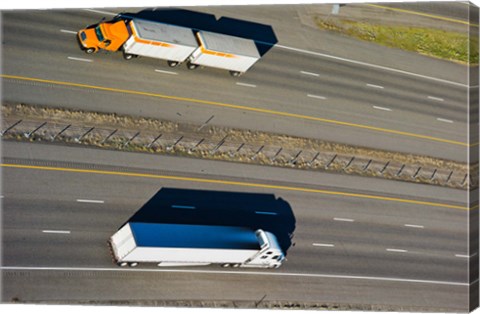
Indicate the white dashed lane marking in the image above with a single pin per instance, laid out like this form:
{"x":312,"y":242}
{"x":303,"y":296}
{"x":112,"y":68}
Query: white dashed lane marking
{"x":80,"y":59}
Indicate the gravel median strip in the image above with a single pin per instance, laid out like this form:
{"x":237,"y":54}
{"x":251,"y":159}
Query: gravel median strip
{"x":111,"y":131}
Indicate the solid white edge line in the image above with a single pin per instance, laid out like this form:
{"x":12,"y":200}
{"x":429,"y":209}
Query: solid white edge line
{"x":67,"y":31}
{"x":166,"y":72}
{"x":444,"y":120}
{"x":372,"y":65}
{"x":90,"y":201}
{"x":344,"y":219}
{"x":309,"y":73}
{"x":241,"y":272}
{"x":80,"y":59}
{"x":382,"y":108}
{"x":246,"y":85}
{"x":56,"y":231}
{"x":316,"y":96}
{"x":323,"y":244}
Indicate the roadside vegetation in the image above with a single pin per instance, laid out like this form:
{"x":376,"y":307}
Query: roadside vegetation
{"x":447,"y":45}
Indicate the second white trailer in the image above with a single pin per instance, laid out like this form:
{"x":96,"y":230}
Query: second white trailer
{"x":225,"y":52}
{"x":157,"y":40}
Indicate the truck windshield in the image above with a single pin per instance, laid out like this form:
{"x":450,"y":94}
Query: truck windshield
{"x":99,"y":34}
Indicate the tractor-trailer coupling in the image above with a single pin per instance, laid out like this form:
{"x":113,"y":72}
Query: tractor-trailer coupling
{"x":188,"y":245}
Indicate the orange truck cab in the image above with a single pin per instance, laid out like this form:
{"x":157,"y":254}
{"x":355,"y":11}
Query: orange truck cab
{"x":105,"y":35}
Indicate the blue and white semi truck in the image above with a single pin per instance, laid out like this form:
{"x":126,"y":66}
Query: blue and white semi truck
{"x":167,"y":244}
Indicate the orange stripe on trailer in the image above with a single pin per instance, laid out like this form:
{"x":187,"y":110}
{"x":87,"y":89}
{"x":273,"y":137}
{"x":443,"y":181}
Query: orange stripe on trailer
{"x":148,"y":42}
{"x":216,"y":53}
{"x":134,"y":31}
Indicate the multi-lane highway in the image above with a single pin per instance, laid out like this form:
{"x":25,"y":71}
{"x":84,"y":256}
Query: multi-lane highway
{"x":57,"y":220}
{"x":290,"y":91}
{"x":358,"y":240}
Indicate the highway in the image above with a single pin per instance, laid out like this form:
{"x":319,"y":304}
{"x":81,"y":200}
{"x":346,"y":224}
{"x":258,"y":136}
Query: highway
{"x":289,"y":91}
{"x":56,"y":222}
{"x":357,"y":240}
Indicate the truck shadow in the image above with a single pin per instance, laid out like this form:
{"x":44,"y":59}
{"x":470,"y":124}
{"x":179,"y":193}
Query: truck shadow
{"x":262,"y":34}
{"x":202,"y":207}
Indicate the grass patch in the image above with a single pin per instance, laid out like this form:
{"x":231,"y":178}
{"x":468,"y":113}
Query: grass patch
{"x":453,"y":46}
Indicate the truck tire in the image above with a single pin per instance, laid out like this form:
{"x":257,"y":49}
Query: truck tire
{"x":122,"y":264}
{"x":236,"y":265}
{"x":225,"y":265}
{"x":191,"y":66}
{"x":133,"y":264}
{"x":235,"y":73}
{"x":89,"y":50}
{"x":173,"y":64}
{"x":128,"y":56}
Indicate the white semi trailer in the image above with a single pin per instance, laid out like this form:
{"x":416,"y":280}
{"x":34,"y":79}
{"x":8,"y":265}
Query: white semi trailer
{"x":190,"y":245}
{"x":224,"y":52}
{"x":162,"y":41}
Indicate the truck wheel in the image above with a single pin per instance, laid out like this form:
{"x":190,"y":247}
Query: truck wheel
{"x":236,"y":265}
{"x":191,"y":66}
{"x":172,"y":64}
{"x":134,"y":264}
{"x":89,"y":50}
{"x":122,"y":264}
{"x":127,"y":56}
{"x":235,"y":73}
{"x":225,"y":265}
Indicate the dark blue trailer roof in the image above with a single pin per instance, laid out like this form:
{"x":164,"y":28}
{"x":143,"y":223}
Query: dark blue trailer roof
{"x":193,"y":236}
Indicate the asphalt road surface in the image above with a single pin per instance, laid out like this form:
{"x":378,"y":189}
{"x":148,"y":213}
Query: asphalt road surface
{"x":357,"y":240}
{"x":393,"y":248}
{"x":291,"y":90}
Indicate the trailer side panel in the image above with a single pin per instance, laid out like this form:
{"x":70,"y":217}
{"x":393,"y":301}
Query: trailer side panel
{"x":225,"y":52}
{"x":160,"y":41}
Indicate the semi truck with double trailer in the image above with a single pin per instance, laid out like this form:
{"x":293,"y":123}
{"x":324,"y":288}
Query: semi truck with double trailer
{"x":168,"y":244}
{"x":175,"y":44}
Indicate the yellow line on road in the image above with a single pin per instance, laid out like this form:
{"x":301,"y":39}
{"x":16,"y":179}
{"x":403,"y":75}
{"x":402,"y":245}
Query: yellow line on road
{"x":234,"y":183}
{"x":438,"y":17}
{"x":225,"y":105}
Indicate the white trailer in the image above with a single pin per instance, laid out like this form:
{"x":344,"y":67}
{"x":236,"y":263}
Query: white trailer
{"x":225,"y":52}
{"x":188,"y":245}
{"x":157,"y":40}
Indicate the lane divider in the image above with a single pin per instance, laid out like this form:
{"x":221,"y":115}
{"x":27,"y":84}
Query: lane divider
{"x":232,"y":272}
{"x":236,"y":183}
{"x":238,"y":107}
